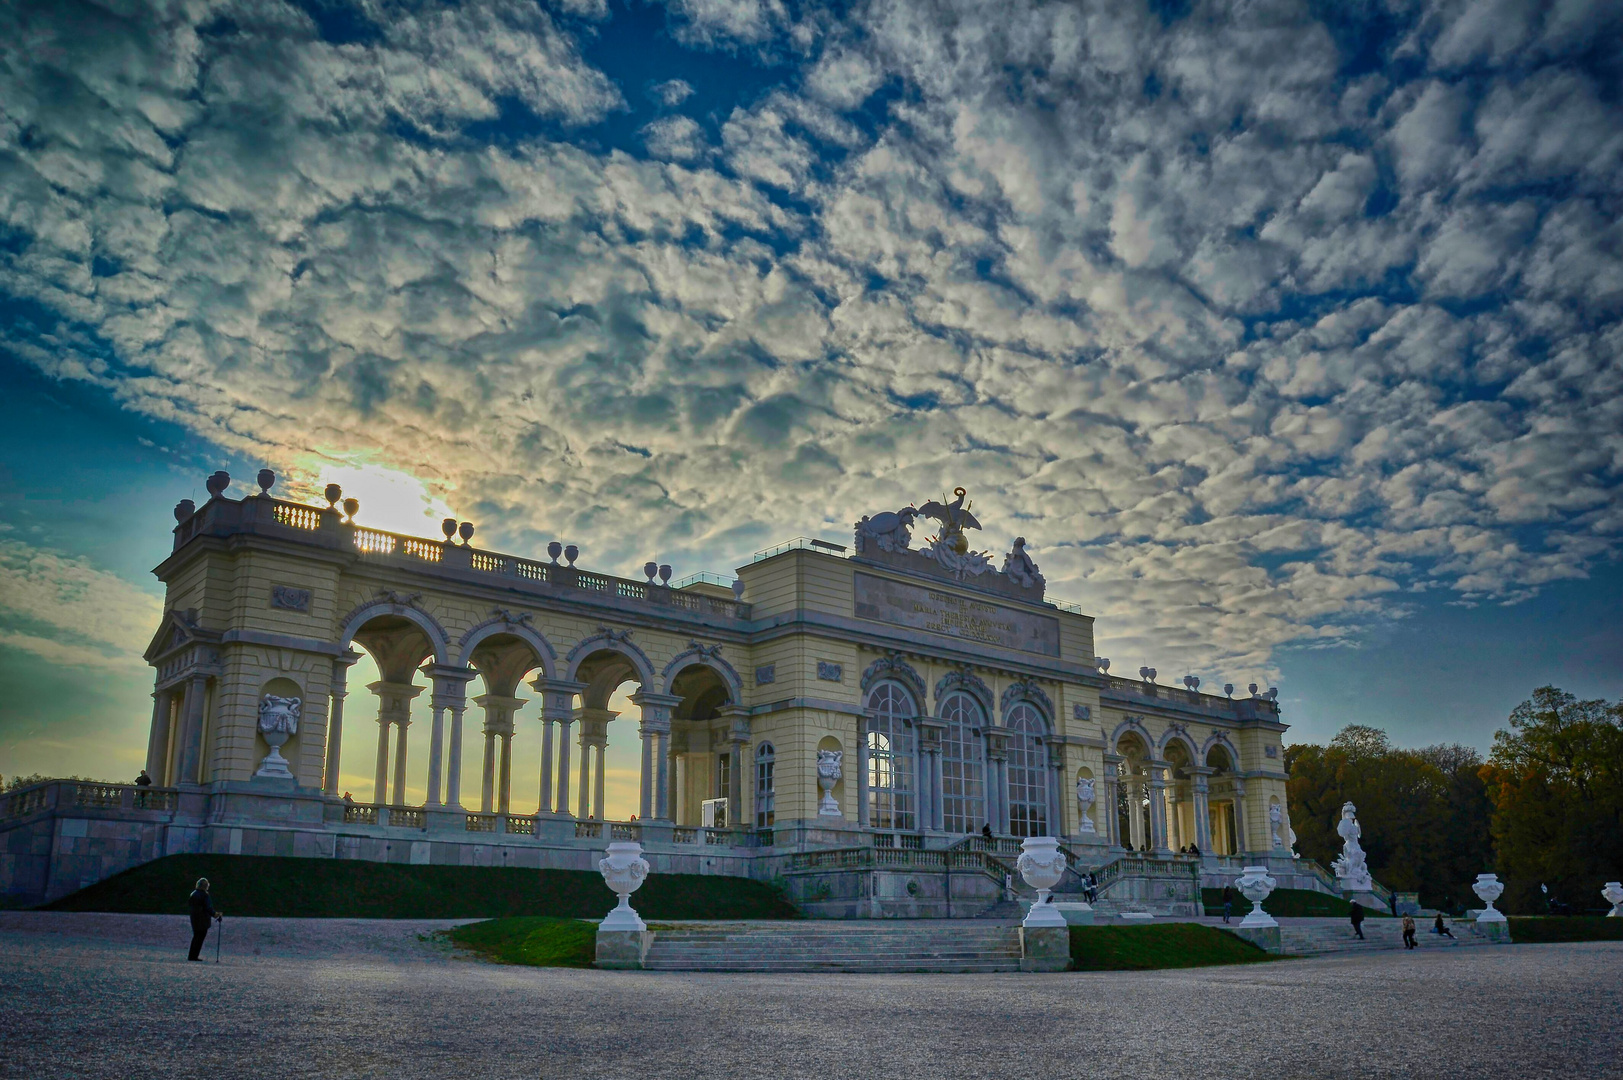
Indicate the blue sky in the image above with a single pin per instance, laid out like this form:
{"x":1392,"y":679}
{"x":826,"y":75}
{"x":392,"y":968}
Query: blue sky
{"x":1288,"y":334}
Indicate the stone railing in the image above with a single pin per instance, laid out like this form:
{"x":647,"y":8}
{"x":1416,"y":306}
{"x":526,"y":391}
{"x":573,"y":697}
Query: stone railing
{"x":871,"y":858}
{"x":324,"y":526}
{"x":361,"y":814}
{"x":520,"y":826}
{"x":998,"y":845}
{"x":406,"y":817}
{"x":588,"y":830}
{"x":29,"y":800}
{"x":480,"y":823}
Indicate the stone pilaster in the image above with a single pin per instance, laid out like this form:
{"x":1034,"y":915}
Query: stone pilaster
{"x":339,"y":690}
{"x":655,"y":730}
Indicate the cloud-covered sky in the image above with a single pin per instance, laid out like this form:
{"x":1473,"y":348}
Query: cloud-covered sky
{"x":1270,"y":325}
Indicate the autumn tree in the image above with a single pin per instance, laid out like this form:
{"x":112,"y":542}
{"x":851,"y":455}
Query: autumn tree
{"x":1555,"y":777}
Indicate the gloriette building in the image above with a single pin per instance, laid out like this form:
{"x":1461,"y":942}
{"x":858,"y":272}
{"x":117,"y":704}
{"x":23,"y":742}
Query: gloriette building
{"x":851,"y":719}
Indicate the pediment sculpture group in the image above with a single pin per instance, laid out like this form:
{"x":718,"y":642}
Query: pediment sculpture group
{"x":892,"y":531}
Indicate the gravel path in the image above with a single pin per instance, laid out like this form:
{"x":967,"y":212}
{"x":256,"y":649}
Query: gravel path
{"x":112,"y":996}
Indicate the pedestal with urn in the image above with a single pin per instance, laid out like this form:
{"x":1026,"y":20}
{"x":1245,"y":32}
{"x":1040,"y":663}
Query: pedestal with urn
{"x":622,"y":936}
{"x":1045,"y":939}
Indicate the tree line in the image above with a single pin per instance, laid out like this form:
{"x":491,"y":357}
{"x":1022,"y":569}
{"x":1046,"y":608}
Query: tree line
{"x":1544,"y":811}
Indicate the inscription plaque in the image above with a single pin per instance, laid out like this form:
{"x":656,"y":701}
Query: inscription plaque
{"x":942,"y":612}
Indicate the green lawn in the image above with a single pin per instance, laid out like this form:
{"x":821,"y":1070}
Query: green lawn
{"x":350,"y":888}
{"x":1169,"y":945}
{"x":1525,"y":930}
{"x":1282,"y":902}
{"x":536,"y":941}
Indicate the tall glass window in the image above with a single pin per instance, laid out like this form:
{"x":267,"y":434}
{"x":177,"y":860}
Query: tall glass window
{"x":891,"y":796}
{"x":1028,"y":772}
{"x":963,"y":765}
{"x":765,"y":756}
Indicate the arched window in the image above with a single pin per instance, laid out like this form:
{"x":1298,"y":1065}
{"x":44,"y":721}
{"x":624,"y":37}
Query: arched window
{"x":1028,"y":772}
{"x":963,"y":765}
{"x":764,"y":797}
{"x":890,"y":758}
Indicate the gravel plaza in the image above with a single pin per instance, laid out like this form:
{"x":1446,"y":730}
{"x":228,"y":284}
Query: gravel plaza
{"x":86,"y":995}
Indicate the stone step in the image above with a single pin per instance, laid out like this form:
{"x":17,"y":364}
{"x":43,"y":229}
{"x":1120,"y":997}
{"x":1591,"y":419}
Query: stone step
{"x":837,"y":946}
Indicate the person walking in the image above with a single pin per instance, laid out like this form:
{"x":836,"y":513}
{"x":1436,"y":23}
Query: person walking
{"x":1357,"y":917}
{"x":203,"y":913}
{"x":1408,"y":932}
{"x":1440,"y":927}
{"x":1228,"y":901}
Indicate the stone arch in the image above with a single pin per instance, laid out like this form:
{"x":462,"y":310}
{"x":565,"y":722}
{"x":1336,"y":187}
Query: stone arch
{"x":969,"y":683}
{"x":1134,"y":726}
{"x":897,"y":670}
{"x":1220,"y":739}
{"x":1179,"y":735}
{"x":546,"y":656}
{"x":608,"y":640}
{"x":1031,"y":694}
{"x":438,"y":640}
{"x":697,"y":655}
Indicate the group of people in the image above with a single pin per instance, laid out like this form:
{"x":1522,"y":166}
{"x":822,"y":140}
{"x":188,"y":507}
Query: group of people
{"x":1438,"y":927}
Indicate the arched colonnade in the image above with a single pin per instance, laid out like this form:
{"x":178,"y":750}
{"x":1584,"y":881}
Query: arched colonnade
{"x":696,"y":690}
{"x":1166,"y":796}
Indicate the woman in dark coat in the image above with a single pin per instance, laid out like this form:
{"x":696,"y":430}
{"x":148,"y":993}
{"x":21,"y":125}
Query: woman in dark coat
{"x":203,"y":913}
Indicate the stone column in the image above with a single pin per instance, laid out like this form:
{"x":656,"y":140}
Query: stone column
{"x":655,"y":729}
{"x":662,"y":777}
{"x":557,"y":707}
{"x":450,"y":695}
{"x":1112,"y":801}
{"x":158,"y":738}
{"x":597,"y":791}
{"x":1158,"y":807}
{"x":394,"y":707}
{"x":335,"y":718}
{"x":436,"y":751}
{"x":499,"y":711}
{"x":1242,"y":837}
{"x":1202,"y":809}
{"x":506,"y":779}
{"x":585,"y":775}
{"x":738,"y":737}
{"x":1056,"y":788}
{"x":997,"y":782}
{"x":930,"y":731}
{"x":191,"y":746}
{"x":400,"y":764}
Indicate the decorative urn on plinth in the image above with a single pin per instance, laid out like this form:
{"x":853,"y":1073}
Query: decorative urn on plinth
{"x":278,"y":722}
{"x":1255,"y":885}
{"x":1084,"y":803}
{"x":624,"y":870}
{"x":829,"y":771}
{"x":1614,"y":896}
{"x":1042,"y":864}
{"x":1488,"y":888}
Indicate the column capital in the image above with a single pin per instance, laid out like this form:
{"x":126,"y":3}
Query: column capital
{"x":668,"y":701}
{"x":499,"y":710}
{"x":543,"y":685}
{"x":345,"y":659}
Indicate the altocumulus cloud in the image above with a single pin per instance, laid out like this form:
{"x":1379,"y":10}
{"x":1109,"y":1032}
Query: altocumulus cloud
{"x":1253,"y":324}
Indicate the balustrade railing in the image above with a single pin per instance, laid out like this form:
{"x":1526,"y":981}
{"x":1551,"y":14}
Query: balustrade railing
{"x":481,"y":823}
{"x":359,"y":814}
{"x":154,"y":799}
{"x":683,"y":835}
{"x":407,"y":818}
{"x":108,"y":796}
{"x":588,"y":830}
{"x":619,"y":830}
{"x":225,"y":515}
{"x":520,"y":826}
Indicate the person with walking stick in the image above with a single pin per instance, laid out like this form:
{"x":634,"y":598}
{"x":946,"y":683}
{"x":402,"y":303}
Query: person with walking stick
{"x":203,"y":913}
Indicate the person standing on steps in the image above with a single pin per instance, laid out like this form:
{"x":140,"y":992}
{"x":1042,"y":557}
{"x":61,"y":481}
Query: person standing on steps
{"x":1408,"y":932}
{"x":1228,"y":901}
{"x":203,"y":913}
{"x":1357,"y":917}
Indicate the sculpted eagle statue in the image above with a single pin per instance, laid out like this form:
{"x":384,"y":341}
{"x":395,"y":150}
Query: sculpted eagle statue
{"x":955,"y":518}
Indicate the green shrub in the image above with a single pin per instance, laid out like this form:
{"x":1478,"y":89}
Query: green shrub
{"x":255,"y":885}
{"x":1288,"y":902}
{"x":1168,"y":945}
{"x":538,"y":942}
{"x":1531,"y":930}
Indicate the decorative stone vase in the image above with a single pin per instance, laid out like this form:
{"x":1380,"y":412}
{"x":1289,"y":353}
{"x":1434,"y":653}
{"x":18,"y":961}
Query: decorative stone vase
{"x":278,"y":722}
{"x":624,"y":870}
{"x":1488,"y":888}
{"x":1042,"y":864}
{"x":829,"y":772}
{"x":267,"y":480}
{"x":1614,"y":896}
{"x":1255,"y":885}
{"x":217,"y":483}
{"x":1084,"y":803}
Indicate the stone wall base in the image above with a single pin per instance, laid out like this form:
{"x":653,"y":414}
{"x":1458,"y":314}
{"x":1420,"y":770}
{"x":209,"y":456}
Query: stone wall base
{"x":1045,"y":948}
{"x":1266,"y":938}
{"x":623,"y":948}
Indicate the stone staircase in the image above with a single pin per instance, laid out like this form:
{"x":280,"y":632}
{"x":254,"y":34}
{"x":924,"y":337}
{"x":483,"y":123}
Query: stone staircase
{"x":939,"y":946}
{"x":1323,"y":938}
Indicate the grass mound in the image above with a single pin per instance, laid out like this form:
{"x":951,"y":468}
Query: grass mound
{"x":1525,"y":930}
{"x":536,"y":941}
{"x":250,"y":885}
{"x":1169,"y":945}
{"x":1288,"y":902}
